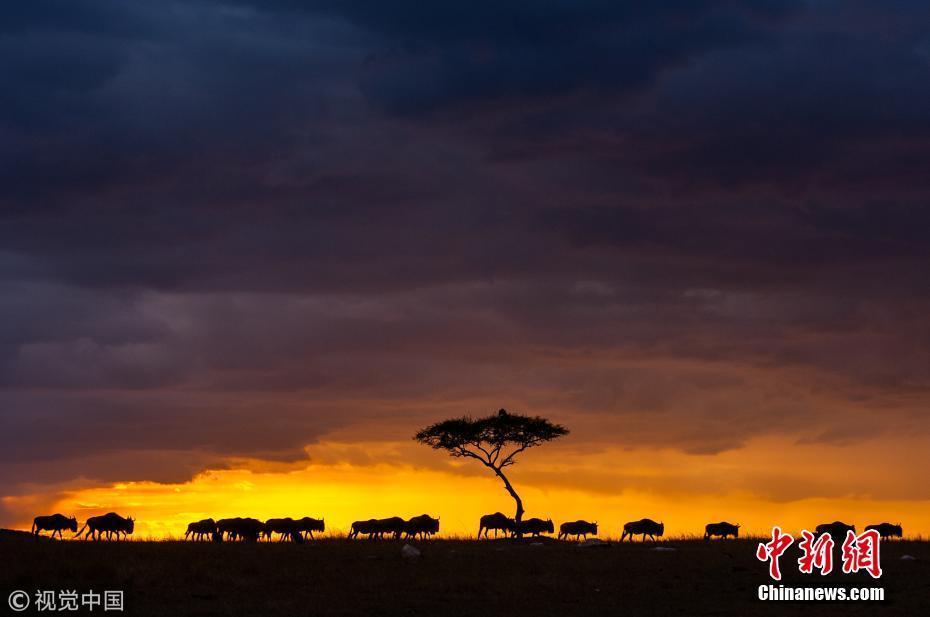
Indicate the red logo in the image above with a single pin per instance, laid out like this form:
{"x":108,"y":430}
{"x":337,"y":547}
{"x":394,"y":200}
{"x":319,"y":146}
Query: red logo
{"x":859,"y":552}
{"x":772,"y":551}
{"x":817,"y":552}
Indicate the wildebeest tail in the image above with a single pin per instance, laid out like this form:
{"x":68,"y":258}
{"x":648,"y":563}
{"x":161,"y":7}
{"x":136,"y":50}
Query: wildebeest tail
{"x":81,"y":530}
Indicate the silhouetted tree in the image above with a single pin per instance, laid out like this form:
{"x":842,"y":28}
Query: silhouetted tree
{"x":495,"y":441}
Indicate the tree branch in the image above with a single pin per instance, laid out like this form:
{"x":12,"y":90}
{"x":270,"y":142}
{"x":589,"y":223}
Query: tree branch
{"x":508,"y":460}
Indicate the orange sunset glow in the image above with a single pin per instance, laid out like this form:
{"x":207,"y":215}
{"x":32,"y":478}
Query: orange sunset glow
{"x":357,"y":480}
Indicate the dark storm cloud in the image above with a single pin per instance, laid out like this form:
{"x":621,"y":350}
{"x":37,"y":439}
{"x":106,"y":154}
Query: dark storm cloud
{"x":686,"y":223}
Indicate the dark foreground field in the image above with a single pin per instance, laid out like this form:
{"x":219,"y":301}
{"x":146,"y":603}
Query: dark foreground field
{"x":338,"y":577}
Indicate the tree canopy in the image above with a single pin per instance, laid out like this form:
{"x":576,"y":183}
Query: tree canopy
{"x":491,"y":438}
{"x":494,"y":440}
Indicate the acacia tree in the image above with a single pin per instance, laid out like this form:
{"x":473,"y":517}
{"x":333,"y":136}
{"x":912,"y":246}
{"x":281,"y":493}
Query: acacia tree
{"x":495,"y":441}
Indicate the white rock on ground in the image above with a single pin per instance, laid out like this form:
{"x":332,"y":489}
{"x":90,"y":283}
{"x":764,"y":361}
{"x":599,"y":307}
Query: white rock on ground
{"x":591,"y":542}
{"x":409,"y":552}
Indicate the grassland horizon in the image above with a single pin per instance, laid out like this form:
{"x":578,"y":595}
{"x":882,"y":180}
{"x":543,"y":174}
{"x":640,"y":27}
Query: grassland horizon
{"x":462,"y":577}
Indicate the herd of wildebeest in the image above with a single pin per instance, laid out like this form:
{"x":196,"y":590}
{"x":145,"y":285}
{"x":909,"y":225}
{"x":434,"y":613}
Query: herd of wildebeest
{"x":113,"y":526}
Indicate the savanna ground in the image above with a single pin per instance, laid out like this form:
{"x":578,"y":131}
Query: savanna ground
{"x":452,"y":577}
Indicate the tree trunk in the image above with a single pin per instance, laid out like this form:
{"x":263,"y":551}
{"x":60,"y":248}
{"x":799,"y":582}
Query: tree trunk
{"x":519,"y":516}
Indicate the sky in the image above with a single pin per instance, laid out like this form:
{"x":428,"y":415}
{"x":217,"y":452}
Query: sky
{"x":248,"y":249}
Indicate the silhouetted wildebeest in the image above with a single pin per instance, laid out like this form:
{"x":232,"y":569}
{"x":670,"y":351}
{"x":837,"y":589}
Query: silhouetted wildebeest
{"x":249,"y":529}
{"x":378,"y":527}
{"x":423,"y":526}
{"x":240,"y":528}
{"x":577,"y":529}
{"x":887,"y":530}
{"x":393,"y":526}
{"x":54,"y":523}
{"x":308,"y":525}
{"x":498,"y":522}
{"x":224,"y":527}
{"x":369,"y":528}
{"x":109,"y":523}
{"x":836,"y":529}
{"x":722,"y":529}
{"x":534,"y":527}
{"x":646,"y":527}
{"x":287,"y":527}
{"x":197,"y":531}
